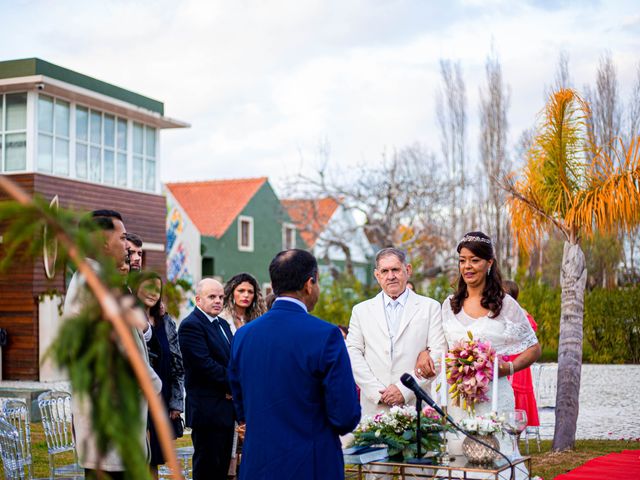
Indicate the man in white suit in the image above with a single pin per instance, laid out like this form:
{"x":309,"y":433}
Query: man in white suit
{"x":388,"y":332}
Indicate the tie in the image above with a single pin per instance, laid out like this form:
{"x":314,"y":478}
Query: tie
{"x":216,"y":324}
{"x":393,"y":316}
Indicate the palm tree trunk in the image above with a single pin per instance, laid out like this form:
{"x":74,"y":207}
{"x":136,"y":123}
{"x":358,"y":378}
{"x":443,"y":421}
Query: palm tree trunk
{"x":573,"y":279}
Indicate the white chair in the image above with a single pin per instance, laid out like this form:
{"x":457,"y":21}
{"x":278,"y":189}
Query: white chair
{"x":14,"y":464}
{"x":184,"y":454}
{"x":16,"y":441}
{"x":533,"y":431}
{"x":55,"y":410}
{"x":17,"y":414}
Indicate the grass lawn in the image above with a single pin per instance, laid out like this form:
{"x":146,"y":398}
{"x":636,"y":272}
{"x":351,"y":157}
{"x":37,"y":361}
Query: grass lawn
{"x":545,"y":464}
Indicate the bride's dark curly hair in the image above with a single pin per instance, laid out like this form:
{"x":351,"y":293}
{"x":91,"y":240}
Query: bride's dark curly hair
{"x":493,"y":293}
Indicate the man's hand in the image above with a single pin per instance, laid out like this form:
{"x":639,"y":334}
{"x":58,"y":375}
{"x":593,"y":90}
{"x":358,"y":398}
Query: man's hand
{"x":392,"y":396}
{"x":424,"y":365}
{"x":173,"y":414}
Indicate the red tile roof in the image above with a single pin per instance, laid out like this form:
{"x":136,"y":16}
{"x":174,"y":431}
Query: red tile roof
{"x":213,"y":205}
{"x":310,"y":216}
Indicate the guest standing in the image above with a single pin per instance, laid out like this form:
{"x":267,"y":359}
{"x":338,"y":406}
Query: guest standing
{"x":292,"y":382}
{"x":164,"y":353}
{"x":242,"y":303}
{"x":205,"y":344}
{"x":521,"y":381}
{"x":242,"y":300}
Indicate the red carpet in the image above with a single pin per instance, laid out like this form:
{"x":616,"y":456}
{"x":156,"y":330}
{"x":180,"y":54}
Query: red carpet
{"x":618,"y":466}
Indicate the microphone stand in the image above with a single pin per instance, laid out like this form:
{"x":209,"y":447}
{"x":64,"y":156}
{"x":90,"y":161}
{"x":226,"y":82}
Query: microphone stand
{"x":418,"y":460}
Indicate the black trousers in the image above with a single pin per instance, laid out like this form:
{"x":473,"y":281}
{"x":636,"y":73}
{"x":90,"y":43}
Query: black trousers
{"x":212,"y":452}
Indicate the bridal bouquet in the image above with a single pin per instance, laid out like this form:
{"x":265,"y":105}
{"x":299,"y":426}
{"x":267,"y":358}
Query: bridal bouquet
{"x":397,"y":430}
{"x":469,"y":371}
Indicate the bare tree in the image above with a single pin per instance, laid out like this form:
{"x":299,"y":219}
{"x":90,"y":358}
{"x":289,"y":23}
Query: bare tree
{"x":451,"y":105}
{"x":401,"y":202}
{"x":632,"y":131}
{"x":605,"y":121}
{"x":494,"y":103}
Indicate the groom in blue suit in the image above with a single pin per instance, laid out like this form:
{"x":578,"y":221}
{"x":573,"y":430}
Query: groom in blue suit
{"x":292,"y":382}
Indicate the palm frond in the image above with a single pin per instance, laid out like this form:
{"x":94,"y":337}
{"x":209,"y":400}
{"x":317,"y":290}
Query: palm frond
{"x":612,"y":200}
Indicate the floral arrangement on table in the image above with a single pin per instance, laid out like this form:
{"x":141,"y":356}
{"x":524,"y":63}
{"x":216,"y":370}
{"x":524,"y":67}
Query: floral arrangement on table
{"x":482,"y":424}
{"x":397,"y":430}
{"x":469,"y":371}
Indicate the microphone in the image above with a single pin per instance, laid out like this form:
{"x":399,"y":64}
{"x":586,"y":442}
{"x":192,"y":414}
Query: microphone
{"x":410,"y":382}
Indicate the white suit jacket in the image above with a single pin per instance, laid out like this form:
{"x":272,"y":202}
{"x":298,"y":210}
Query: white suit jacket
{"x":369,"y":346}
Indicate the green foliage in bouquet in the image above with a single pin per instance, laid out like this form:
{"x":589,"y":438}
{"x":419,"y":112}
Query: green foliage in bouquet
{"x":85,"y":346}
{"x":397,"y":430}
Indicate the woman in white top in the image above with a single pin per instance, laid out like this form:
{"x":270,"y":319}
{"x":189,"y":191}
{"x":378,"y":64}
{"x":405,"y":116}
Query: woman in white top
{"x":242,"y":303}
{"x":481,"y":306}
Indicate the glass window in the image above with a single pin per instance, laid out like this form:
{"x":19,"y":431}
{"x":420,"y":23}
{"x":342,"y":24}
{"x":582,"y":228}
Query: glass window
{"x":81,"y":160}
{"x":45,"y":153}
{"x":61,"y":165}
{"x":109,"y":130}
{"x":1,"y":120}
{"x":45,"y":114}
{"x":16,"y":114}
{"x":138,"y":137}
{"x":150,"y":142}
{"x":62,"y":119}
{"x":109,"y":167}
{"x":82,"y":123}
{"x":122,"y":134}
{"x":122,"y":169}
{"x":150,"y":175}
{"x":16,"y":151}
{"x":96,"y":127}
{"x":95,"y":164}
{"x":136,"y":174}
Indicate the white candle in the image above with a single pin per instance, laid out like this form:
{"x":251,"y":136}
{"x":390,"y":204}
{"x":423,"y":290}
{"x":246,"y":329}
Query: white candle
{"x":443,"y":381}
{"x":494,"y":396}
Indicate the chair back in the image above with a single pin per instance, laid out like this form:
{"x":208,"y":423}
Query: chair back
{"x":16,"y":413}
{"x":55,"y":410}
{"x":546,"y":386}
{"x":11,"y":452}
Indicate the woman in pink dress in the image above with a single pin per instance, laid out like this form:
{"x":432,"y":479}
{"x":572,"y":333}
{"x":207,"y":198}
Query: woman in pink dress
{"x":522,"y":381}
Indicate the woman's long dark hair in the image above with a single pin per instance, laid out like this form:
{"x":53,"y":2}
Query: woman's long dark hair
{"x":493,"y":293}
{"x":257,"y":306}
{"x":136,"y":281}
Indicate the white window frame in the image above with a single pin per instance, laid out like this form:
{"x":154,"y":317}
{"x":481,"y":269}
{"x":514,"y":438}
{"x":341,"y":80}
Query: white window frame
{"x":249,"y":220}
{"x":285,"y":228}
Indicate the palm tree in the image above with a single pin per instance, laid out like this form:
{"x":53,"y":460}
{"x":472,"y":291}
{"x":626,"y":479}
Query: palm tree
{"x":570,"y":185}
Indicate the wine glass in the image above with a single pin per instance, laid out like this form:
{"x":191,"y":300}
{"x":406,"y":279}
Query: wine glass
{"x":515,"y":421}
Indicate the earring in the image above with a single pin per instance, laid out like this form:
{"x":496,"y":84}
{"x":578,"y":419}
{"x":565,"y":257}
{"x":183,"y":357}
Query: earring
{"x":489,"y":271}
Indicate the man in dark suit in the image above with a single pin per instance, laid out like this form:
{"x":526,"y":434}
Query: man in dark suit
{"x":205,"y":343}
{"x":292,"y":383}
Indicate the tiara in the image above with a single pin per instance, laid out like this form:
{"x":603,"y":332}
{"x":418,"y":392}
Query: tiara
{"x":473,"y":238}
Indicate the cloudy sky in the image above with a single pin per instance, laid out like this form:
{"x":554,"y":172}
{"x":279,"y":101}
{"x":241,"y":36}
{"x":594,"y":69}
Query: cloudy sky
{"x":264,"y":82}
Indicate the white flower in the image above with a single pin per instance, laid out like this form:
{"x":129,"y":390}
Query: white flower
{"x":377,"y":434}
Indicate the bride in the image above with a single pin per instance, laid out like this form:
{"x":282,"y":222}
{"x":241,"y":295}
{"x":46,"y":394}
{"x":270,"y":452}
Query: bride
{"x":481,"y":306}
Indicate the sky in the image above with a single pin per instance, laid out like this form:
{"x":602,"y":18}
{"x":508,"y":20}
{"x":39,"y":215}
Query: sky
{"x":264,"y":83}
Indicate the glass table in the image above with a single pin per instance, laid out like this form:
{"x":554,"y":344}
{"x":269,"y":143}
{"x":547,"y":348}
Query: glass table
{"x":458,"y":469}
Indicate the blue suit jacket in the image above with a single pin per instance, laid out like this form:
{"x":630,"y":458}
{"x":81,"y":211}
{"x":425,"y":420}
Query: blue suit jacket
{"x":292,"y":383}
{"x":205,"y":354}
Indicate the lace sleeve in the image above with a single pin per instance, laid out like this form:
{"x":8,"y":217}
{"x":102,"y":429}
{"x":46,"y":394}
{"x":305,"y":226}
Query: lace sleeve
{"x":518,"y":332}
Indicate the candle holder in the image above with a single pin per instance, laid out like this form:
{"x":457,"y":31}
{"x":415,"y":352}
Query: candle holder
{"x":444,"y":456}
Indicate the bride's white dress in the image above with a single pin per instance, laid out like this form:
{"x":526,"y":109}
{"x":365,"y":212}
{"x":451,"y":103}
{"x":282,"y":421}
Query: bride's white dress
{"x":509,"y":333}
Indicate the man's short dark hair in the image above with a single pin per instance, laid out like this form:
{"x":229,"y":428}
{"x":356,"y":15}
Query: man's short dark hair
{"x":135,"y":239}
{"x":290,"y":270}
{"x":103,"y":219}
